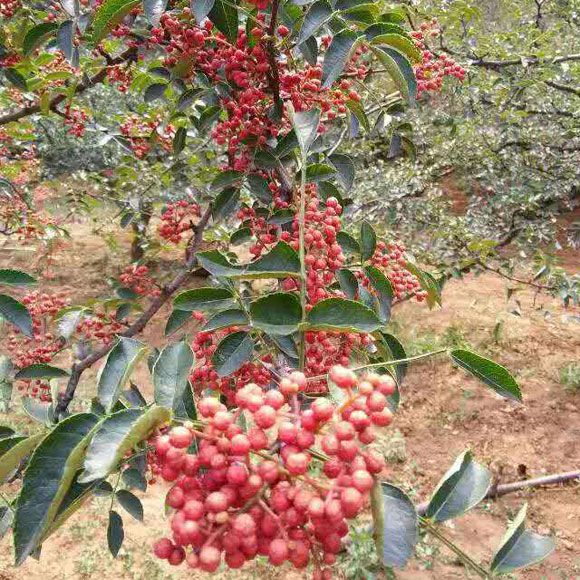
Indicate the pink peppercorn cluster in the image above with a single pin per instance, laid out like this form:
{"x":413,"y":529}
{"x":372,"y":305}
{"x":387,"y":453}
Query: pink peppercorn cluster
{"x":249,"y":492}
{"x":138,"y":279}
{"x":432,"y":70}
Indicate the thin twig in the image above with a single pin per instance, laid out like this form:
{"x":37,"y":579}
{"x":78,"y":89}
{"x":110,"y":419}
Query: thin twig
{"x":127,"y":55}
{"x":137,"y":326}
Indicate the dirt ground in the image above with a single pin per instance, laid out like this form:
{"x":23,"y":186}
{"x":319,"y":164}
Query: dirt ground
{"x":443,"y":412}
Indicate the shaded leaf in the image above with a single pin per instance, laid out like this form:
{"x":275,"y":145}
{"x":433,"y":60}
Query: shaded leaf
{"x":345,"y":167}
{"x":65,"y":37}
{"x":118,"y":366}
{"x":154,"y":92}
{"x":176,"y":320}
{"x":306,"y":128}
{"x":348,"y":283}
{"x":281,"y":262}
{"x":384,"y":291}
{"x":134,"y":479}
{"x":397,"y":352}
{"x":115,"y":533}
{"x":348,"y":243}
{"x":232,"y":352}
{"x":225,"y":203}
{"x":316,"y":16}
{"x":336,"y":56}
{"x":461,"y":488}
{"x":395,"y":524}
{"x":225,"y":179}
{"x":226,"y":319}
{"x":258,"y":186}
{"x":224,"y":14}
{"x":36,"y":35}
{"x":179,"y":140}
{"x":16,"y":313}
{"x":171,"y":373}
{"x":368,"y":240}
{"x":14,"y":77}
{"x":520,"y":547}
{"x":130,"y":503}
{"x":38,"y":410}
{"x":154,"y":9}
{"x":201,"y":8}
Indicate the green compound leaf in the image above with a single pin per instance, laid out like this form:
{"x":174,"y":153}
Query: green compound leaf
{"x":117,"y":434}
{"x":13,"y":450}
{"x":277,"y":314}
{"x":16,"y":278}
{"x":344,"y":315}
{"x":109,"y":14}
{"x":37,"y":35}
{"x":40,"y":371}
{"x":52,"y":469}
{"x":204,"y":299}
{"x":489,"y":372}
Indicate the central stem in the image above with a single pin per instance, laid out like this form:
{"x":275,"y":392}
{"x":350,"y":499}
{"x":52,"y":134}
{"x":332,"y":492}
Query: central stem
{"x":467,"y":560}
{"x":302,"y":255}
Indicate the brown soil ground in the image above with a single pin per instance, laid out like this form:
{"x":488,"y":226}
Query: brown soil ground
{"x":443,"y":412}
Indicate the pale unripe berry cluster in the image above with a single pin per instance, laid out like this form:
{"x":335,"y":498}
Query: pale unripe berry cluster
{"x":249,"y":492}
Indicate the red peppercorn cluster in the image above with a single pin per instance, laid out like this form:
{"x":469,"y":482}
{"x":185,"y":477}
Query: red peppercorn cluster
{"x":75,"y":120}
{"x":42,"y":346}
{"x":142,"y":134}
{"x":246,"y":67}
{"x":390,"y":259}
{"x":250,"y":493}
{"x":9,"y":7}
{"x":101,"y":327}
{"x":432,"y":70}
{"x":324,"y":255}
{"x":121,"y":76}
{"x":178,"y":217}
{"x":16,"y":216}
{"x":204,"y":375}
{"x":137,"y":278}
